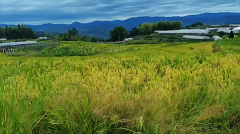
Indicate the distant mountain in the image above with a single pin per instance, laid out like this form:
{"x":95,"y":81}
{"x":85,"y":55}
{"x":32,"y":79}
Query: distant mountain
{"x":102,"y":28}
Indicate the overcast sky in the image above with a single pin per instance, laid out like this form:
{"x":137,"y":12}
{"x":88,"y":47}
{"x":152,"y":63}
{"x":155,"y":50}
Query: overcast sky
{"x":83,"y":11}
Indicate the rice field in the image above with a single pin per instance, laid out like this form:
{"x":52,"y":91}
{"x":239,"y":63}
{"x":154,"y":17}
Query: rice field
{"x":157,"y":89}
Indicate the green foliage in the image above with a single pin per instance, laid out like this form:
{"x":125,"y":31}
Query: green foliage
{"x":93,"y":39}
{"x":195,"y":25}
{"x":73,"y":32}
{"x":231,"y":35}
{"x":19,"y":32}
{"x":72,"y":35}
{"x":149,"y":28}
{"x":134,"y":32}
{"x":118,"y":33}
{"x":145,"y":28}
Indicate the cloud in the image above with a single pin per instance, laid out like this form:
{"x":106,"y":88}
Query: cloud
{"x":68,"y":11}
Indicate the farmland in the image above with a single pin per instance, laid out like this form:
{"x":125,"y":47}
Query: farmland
{"x":157,"y":88}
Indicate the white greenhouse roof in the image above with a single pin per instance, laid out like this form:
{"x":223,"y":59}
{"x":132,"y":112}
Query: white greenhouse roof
{"x":17,"y":43}
{"x":184,"y":31}
{"x":224,"y":30}
{"x":215,"y":37}
{"x":237,"y":28}
{"x":238,"y":25}
{"x":228,"y":31}
{"x":3,"y":39}
{"x":42,"y":38}
{"x":212,"y":28}
{"x":219,"y":28}
{"x":236,"y":31}
{"x":128,"y":39}
{"x":196,"y":37}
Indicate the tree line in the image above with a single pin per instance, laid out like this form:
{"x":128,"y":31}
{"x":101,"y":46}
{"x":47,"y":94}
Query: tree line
{"x":73,"y":35}
{"x":23,"y":32}
{"x":18,"y":32}
{"x":120,"y":33}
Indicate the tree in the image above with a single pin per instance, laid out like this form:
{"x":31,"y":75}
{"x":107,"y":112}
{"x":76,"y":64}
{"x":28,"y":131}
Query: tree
{"x":134,"y":32}
{"x":18,"y":32}
{"x":231,"y":35}
{"x":73,"y":32}
{"x":195,"y":25}
{"x":2,"y":33}
{"x":93,"y":39}
{"x":149,"y":28}
{"x":118,"y":33}
{"x":145,"y":28}
{"x":64,"y":37}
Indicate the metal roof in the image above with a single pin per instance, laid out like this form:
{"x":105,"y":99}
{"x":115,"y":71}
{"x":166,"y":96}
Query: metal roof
{"x":17,"y":43}
{"x":196,"y":37}
{"x":3,"y":39}
{"x":237,"y":28}
{"x":212,"y":29}
{"x":43,"y":38}
{"x":224,"y":30}
{"x":128,"y":39}
{"x":233,"y":25}
{"x":184,"y":31}
{"x":219,"y":28}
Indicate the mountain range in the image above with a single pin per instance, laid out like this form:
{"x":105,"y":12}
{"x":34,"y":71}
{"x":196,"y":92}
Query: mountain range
{"x":101,"y":29}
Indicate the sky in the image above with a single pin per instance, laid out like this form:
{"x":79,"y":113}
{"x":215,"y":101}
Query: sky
{"x":84,"y":11}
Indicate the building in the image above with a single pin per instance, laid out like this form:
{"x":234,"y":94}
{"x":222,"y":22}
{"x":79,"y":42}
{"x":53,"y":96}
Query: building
{"x":9,"y":47}
{"x":236,"y":30}
{"x":210,"y":29}
{"x":224,"y":29}
{"x":196,"y":37}
{"x":15,"y":44}
{"x":235,"y":25}
{"x":184,"y":31}
{"x":219,"y":28}
{"x":3,"y":39}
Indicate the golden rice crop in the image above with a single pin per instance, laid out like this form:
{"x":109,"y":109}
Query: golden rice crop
{"x":172,"y":89}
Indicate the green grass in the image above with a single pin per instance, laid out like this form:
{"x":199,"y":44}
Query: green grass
{"x":150,"y":88}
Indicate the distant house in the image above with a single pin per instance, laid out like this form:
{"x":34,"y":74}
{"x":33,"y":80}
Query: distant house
{"x":3,"y":39}
{"x":196,"y":37}
{"x":184,"y":31}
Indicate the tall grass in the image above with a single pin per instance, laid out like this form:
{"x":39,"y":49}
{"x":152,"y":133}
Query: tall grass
{"x":156,"y":89}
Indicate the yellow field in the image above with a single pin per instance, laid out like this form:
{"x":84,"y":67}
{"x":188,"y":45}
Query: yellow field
{"x":153,"y":89}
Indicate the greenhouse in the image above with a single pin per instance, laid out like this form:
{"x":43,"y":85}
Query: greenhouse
{"x":196,"y":37}
{"x":3,"y":39}
{"x":17,"y":43}
{"x":224,"y":30}
{"x":184,"y":31}
{"x":236,"y":29}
